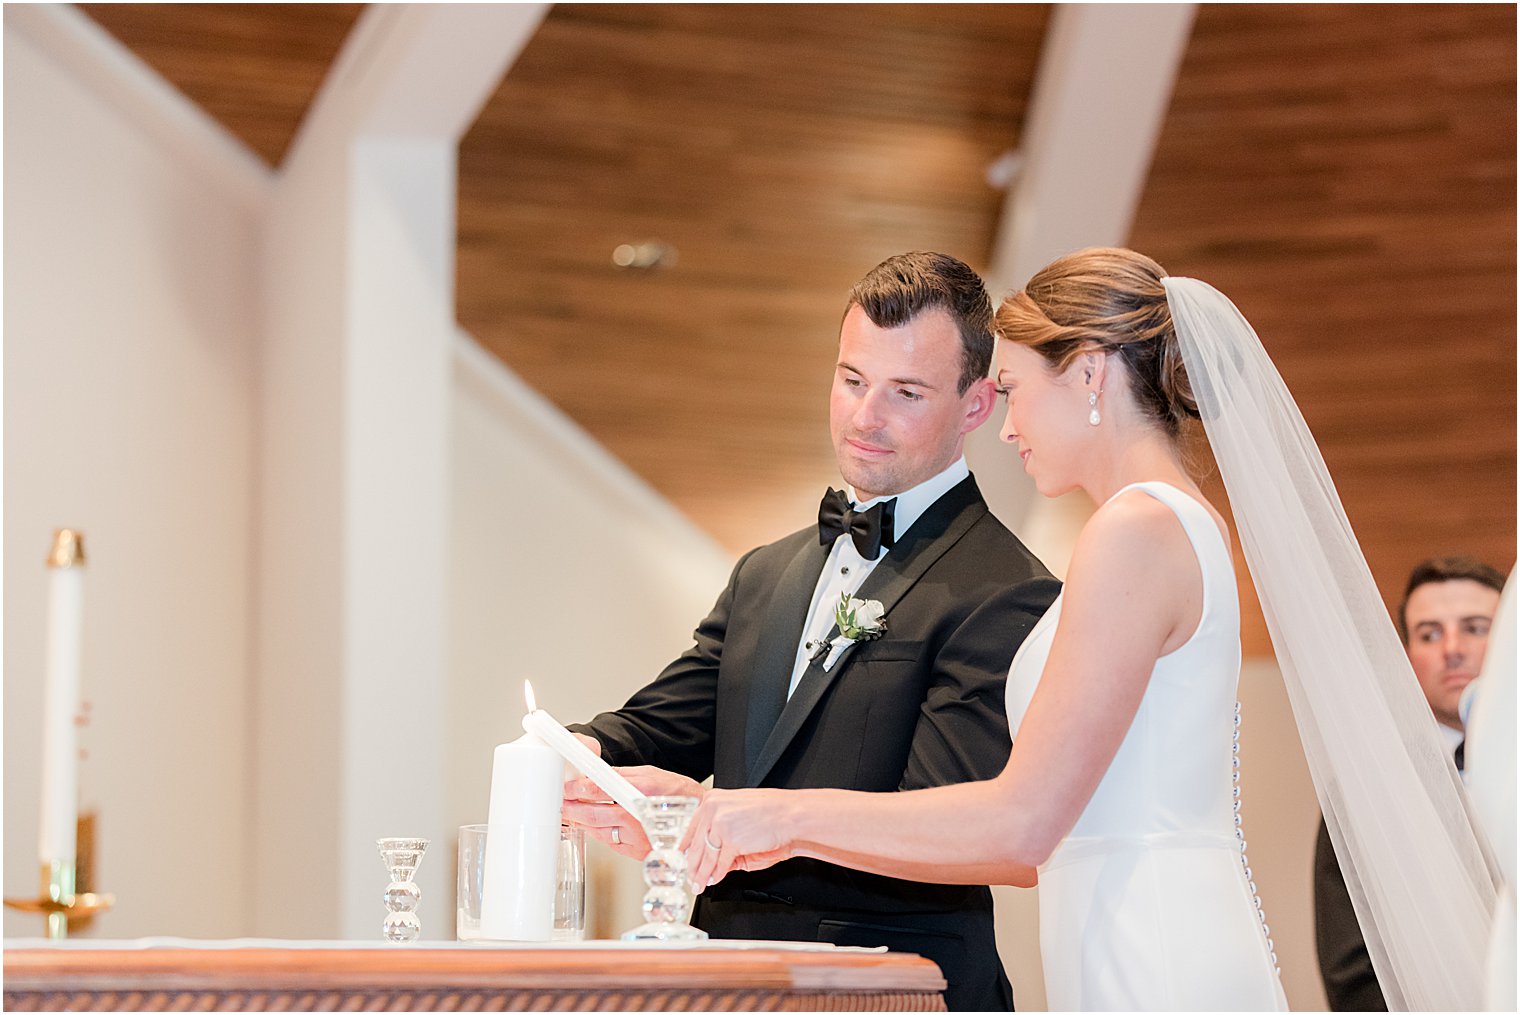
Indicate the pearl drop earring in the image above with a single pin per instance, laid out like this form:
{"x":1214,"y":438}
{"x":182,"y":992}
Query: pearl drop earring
{"x":1092,"y":416}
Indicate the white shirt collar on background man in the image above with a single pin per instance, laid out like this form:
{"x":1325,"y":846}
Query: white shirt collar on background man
{"x":1453,"y":737}
{"x":845,"y":569}
{"x":1453,"y":740}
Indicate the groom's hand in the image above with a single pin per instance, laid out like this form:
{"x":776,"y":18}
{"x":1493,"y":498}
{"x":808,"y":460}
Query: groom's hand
{"x":587,"y":806}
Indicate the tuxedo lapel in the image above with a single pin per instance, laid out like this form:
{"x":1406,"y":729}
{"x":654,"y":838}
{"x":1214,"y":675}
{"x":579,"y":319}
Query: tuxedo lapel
{"x":771,"y":674}
{"x":931,"y":536}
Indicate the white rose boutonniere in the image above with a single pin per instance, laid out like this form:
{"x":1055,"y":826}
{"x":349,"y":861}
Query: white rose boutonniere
{"x":857,"y":620}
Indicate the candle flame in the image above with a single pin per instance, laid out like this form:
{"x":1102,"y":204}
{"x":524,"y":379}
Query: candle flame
{"x":528,"y":695}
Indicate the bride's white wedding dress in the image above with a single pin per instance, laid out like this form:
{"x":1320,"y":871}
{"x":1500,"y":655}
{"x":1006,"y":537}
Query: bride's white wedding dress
{"x":1146,"y":905}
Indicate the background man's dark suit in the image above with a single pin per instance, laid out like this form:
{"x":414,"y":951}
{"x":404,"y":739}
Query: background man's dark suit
{"x":1350,"y":982}
{"x":922,"y":706}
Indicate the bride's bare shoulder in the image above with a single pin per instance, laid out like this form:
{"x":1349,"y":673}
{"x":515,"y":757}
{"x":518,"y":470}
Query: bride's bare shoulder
{"x":1134,"y":513}
{"x":1131,"y":532}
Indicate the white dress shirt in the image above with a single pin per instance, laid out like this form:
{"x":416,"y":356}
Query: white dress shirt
{"x":1453,"y":740}
{"x":845,"y":569}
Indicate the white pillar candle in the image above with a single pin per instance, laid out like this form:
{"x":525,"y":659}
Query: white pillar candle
{"x":60,"y":703}
{"x":544,"y":726}
{"x":522,"y":842}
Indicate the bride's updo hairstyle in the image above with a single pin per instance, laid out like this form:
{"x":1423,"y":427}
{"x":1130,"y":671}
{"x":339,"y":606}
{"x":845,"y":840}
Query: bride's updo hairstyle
{"x":1109,"y":299}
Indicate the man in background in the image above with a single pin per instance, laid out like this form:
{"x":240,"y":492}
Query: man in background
{"x":1444,"y":619}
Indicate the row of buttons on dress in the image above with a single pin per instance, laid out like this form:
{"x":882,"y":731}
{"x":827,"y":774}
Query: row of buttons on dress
{"x":1240,"y":837}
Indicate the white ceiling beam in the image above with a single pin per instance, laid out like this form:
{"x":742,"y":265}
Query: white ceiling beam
{"x":419,"y":70}
{"x":1100,"y":97}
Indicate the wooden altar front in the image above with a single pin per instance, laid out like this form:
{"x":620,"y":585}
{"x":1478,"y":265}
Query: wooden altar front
{"x":476,"y":979}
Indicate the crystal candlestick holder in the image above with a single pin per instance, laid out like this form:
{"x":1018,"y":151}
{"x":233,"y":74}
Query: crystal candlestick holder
{"x":667,"y":904}
{"x":401,"y":858}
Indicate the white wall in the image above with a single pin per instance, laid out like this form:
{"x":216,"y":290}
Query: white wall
{"x":355,"y":394}
{"x":298,"y":709}
{"x":566,"y":570}
{"x":129,"y":333}
{"x":1281,"y":821}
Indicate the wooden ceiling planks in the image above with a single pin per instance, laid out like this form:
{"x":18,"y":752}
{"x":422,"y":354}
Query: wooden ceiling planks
{"x":1346,"y":174}
{"x":782,"y":151}
{"x":255,"y":67}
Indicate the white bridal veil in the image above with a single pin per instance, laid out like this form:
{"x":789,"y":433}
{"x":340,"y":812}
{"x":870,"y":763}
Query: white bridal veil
{"x":1420,"y":876}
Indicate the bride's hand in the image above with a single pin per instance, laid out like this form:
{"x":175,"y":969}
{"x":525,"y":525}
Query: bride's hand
{"x":737,"y":829}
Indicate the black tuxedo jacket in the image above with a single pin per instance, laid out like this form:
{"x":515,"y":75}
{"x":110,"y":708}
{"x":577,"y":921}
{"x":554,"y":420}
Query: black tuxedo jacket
{"x":1351,"y":984}
{"x":921,"y":706}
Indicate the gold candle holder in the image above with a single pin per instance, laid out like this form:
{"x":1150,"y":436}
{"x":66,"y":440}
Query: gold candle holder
{"x":66,"y":900}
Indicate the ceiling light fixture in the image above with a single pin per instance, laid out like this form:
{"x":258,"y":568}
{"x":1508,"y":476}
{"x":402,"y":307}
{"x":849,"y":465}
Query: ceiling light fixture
{"x":1004,"y":169}
{"x":644,"y":256}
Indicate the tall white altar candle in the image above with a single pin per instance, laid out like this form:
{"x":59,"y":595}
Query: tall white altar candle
{"x":60,"y":702}
{"x":543,"y":725}
{"x":522,"y":842}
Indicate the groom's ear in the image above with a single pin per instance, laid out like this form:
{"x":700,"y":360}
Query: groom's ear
{"x":979,"y":399}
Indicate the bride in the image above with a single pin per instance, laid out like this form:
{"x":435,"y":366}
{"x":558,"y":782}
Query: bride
{"x":1119,"y":795}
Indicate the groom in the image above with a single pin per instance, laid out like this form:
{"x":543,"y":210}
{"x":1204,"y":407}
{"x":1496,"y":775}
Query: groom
{"x":773,"y":693}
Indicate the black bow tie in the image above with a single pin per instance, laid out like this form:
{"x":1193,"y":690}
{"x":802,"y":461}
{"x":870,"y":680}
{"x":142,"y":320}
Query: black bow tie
{"x":870,"y":529}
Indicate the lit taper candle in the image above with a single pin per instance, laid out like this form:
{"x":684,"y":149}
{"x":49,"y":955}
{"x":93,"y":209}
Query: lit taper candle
{"x":544,"y":726}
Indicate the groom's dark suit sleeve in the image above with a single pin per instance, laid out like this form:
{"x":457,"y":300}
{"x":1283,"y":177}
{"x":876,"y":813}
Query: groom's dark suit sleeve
{"x":923,"y":706}
{"x":961,"y":732}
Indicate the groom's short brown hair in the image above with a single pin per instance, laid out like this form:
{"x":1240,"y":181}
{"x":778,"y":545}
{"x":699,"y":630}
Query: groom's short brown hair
{"x":900,"y":288}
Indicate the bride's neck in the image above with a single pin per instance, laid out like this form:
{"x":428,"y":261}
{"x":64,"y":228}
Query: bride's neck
{"x":1143,"y":457}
